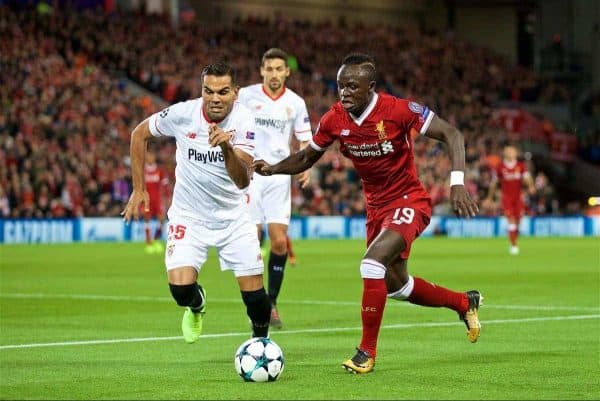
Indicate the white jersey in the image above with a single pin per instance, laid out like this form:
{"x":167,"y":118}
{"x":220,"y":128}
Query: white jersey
{"x":276,"y":120}
{"x":203,"y":189}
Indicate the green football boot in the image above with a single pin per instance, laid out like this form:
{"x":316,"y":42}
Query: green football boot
{"x":158,"y":246}
{"x":191,"y":324}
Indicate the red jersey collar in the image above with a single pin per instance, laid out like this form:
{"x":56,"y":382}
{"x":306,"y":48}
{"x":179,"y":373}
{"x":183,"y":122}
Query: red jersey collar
{"x":207,"y":118}
{"x":269,"y":96}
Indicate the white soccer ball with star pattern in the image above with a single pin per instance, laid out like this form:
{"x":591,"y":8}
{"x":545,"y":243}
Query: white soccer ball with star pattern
{"x":259,"y":359}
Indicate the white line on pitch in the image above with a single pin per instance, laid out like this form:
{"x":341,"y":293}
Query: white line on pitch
{"x":324,"y":330}
{"x":92,"y":297}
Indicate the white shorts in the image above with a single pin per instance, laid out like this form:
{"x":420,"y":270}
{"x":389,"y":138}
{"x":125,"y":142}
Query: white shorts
{"x":270,"y":199}
{"x":237,"y":245}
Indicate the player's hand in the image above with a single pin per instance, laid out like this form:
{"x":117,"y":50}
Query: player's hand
{"x":218,"y":137}
{"x":262,"y":167}
{"x":462,"y":204}
{"x":132,"y":209}
{"x":304,"y":178}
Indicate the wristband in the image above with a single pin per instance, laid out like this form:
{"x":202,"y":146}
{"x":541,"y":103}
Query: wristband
{"x":457,"y":178}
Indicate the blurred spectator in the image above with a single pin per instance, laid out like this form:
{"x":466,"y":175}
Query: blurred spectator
{"x":66,"y":120}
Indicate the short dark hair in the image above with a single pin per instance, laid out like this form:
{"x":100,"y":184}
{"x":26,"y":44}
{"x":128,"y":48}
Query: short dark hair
{"x":219,"y":69}
{"x":364,"y":61}
{"x":275,"y":52}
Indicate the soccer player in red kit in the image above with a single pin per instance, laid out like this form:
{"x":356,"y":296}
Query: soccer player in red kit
{"x":157,"y":182}
{"x":373,"y":130}
{"x":512,"y":174}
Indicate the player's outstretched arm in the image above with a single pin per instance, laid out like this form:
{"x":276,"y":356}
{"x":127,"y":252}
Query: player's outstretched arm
{"x":137,"y":152}
{"x":293,"y":164}
{"x":304,"y":177}
{"x":439,"y":129}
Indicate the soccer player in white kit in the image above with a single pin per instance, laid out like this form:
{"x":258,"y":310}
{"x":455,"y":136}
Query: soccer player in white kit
{"x":279,"y":114}
{"x":215,"y":148}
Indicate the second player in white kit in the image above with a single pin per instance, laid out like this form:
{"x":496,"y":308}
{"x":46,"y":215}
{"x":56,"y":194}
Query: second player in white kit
{"x":276,"y":121}
{"x":279,"y":115}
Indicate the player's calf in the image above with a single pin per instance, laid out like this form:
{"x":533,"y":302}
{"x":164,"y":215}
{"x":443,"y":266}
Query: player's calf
{"x":258,"y":308}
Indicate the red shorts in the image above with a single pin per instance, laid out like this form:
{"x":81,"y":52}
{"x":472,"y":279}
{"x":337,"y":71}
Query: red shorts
{"x":408,"y":217}
{"x":513,"y":207}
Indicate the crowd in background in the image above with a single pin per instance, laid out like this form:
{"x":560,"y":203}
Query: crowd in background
{"x":66,"y":118}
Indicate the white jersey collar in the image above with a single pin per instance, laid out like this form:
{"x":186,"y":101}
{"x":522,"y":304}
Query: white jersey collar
{"x":366,"y":111}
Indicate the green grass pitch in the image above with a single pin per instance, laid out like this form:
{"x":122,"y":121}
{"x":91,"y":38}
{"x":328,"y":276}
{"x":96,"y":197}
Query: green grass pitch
{"x":96,"y":321}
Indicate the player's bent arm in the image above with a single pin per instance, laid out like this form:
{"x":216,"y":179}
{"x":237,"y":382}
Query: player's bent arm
{"x":297,"y":162}
{"x":461,"y":201}
{"x":442,"y":131}
{"x":137,"y":151}
{"x":237,"y":163}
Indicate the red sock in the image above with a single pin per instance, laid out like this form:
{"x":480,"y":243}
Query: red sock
{"x":427,"y":294}
{"x":513,"y":235}
{"x":148,"y":234}
{"x":290,"y":250}
{"x":373,"y":303}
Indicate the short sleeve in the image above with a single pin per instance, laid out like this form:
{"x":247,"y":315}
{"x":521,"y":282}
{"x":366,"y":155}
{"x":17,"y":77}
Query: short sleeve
{"x":324,"y":134}
{"x":413,"y":115}
{"x":245,"y":131}
{"x":243,"y":96}
{"x":302,"y":129}
{"x":166,"y":121}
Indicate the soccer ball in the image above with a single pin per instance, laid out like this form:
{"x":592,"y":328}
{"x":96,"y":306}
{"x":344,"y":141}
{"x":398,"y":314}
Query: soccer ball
{"x":259,"y":359}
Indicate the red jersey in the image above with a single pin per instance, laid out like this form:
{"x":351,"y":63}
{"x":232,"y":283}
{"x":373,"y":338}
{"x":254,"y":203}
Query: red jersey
{"x":379,"y":145}
{"x":156,"y":180}
{"x":511,"y":177}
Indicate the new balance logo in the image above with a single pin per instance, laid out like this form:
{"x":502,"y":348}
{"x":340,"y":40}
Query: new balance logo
{"x":191,"y":135}
{"x":345,"y":132}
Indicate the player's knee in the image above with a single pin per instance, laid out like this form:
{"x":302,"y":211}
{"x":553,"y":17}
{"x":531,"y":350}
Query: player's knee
{"x":404,"y":292}
{"x":370,"y":268}
{"x":279,"y":245}
{"x":183,"y":294}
